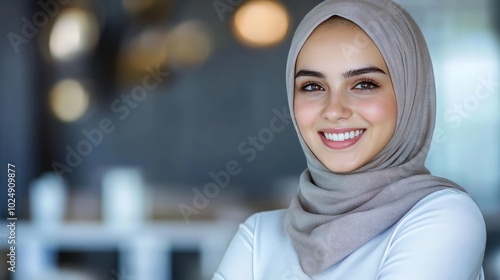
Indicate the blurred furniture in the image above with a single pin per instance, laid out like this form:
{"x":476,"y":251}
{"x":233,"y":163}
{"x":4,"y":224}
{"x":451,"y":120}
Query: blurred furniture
{"x":143,"y":253}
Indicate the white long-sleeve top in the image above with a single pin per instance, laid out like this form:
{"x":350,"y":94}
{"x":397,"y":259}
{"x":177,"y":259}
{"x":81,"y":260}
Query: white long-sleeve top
{"x":442,"y":237}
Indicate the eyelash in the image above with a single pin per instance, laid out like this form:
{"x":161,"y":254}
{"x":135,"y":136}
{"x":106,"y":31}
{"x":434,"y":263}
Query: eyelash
{"x":373,"y":85}
{"x":370,"y":82}
{"x":309,"y":83}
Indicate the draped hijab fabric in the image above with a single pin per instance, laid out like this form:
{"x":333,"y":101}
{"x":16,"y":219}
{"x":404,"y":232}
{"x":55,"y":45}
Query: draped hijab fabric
{"x":334,"y":214}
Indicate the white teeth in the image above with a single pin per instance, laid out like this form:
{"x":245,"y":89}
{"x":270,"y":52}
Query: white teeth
{"x":343,"y":136}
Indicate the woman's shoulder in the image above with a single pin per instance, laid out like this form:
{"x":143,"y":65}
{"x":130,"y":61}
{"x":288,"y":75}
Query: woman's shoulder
{"x":266,"y":230}
{"x":266,"y":216}
{"x":445,"y":225}
{"x":445,"y":204}
{"x":260,"y":250}
{"x":265,"y":220}
{"x":446,"y":211}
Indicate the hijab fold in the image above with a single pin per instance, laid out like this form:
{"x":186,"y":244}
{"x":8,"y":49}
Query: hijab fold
{"x":333,"y":214}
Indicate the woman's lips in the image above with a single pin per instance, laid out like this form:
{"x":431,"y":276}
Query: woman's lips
{"x":341,"y":138}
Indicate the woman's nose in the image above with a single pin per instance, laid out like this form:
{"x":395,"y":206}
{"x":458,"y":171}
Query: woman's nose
{"x":336,"y":107}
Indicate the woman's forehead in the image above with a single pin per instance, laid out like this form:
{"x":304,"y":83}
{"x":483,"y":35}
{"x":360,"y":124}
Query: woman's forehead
{"x":346,"y":46}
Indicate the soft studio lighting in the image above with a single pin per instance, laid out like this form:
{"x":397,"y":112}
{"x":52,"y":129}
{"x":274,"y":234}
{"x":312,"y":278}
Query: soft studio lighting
{"x":68,"y":100}
{"x":75,"y":31}
{"x":261,"y":23}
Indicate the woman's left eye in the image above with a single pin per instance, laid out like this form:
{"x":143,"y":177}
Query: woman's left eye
{"x":311,"y":87}
{"x":366,"y":85}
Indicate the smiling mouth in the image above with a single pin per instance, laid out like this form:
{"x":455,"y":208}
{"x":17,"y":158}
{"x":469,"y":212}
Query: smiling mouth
{"x":339,"y":137}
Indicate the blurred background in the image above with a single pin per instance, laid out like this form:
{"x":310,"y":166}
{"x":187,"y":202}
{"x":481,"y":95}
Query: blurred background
{"x":142,"y":132}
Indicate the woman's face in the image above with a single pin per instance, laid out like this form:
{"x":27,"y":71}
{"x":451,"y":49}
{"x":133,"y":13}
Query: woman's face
{"x":344,"y":102}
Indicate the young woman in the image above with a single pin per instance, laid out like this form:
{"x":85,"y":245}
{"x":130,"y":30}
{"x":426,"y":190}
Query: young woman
{"x":361,"y":92}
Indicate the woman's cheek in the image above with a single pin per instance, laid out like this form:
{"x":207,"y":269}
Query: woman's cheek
{"x":378,"y":111}
{"x":305,"y":112}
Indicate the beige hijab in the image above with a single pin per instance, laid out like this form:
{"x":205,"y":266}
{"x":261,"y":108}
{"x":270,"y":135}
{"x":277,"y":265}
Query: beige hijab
{"x":332,"y":214}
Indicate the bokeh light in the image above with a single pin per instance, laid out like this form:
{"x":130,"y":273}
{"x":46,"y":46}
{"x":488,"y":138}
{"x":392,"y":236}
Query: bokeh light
{"x":145,"y":49}
{"x":188,"y":45}
{"x":136,"y":7}
{"x":75,"y":31}
{"x":68,"y":100}
{"x":261,"y":23}
{"x":151,"y":11}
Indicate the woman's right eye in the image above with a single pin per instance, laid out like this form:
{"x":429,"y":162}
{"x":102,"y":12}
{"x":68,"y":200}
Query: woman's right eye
{"x":311,"y":87}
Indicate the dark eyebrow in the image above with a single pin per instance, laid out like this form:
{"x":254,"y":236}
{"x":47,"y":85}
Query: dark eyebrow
{"x":309,"y":73}
{"x":345,"y":75}
{"x":361,"y":71}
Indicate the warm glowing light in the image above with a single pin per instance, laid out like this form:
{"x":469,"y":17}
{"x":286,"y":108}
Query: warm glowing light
{"x":134,"y":6}
{"x":146,"y":49}
{"x":152,"y":11}
{"x":68,"y":100}
{"x":261,"y":23}
{"x":188,"y":45}
{"x":75,"y":31}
